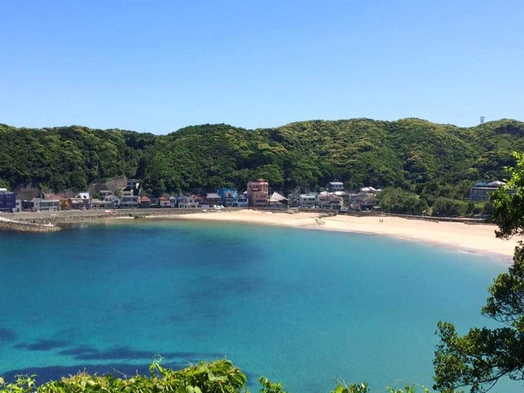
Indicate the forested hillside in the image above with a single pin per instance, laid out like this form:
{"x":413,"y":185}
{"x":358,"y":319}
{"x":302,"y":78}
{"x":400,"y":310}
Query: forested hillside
{"x":433,"y":160}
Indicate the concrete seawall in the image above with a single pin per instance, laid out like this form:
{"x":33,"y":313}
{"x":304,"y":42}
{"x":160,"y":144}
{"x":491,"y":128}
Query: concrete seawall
{"x":20,"y":226}
{"x":72,"y":216}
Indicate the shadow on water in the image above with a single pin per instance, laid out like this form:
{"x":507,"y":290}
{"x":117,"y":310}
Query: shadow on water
{"x":172,"y":360}
{"x":42,"y":345}
{"x":86,"y":352}
{"x":7,"y":335}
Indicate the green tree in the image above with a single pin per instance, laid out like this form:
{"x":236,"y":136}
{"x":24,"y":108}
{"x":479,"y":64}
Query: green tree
{"x":447,"y":207}
{"x":396,"y":200}
{"x":481,"y":357}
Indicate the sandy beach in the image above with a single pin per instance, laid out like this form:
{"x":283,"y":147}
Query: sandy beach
{"x":466,"y":237}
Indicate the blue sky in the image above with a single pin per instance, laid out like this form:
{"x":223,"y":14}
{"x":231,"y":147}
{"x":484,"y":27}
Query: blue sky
{"x":157,"y":66}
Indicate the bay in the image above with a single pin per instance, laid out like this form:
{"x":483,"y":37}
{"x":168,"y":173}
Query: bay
{"x":304,"y":307}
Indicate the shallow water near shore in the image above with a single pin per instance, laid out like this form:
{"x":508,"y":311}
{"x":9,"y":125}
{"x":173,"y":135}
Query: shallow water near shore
{"x":298,"y":306}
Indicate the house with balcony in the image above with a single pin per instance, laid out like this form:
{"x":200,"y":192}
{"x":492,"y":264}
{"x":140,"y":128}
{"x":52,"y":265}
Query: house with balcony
{"x":128,"y":199}
{"x":258,"y":193}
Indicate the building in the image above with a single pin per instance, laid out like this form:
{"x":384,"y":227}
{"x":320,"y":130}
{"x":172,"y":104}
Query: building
{"x":363,"y":201}
{"x":115,"y":201}
{"x":258,"y":193}
{"x":101,"y":204}
{"x":7,"y":201}
{"x":481,"y":191}
{"x":164,"y":202}
{"x":228,"y":195}
{"x":307,"y":200}
{"x":41,"y":205}
{"x":212,"y":199}
{"x":330,"y":201}
{"x":80,"y":201}
{"x":133,"y":185}
{"x":241,"y":201}
{"x":369,"y":191}
{"x":277,"y":200}
{"x":335,"y":186}
{"x":145,"y":202}
{"x":129,"y":200}
{"x":104,"y":193}
{"x":187,"y":202}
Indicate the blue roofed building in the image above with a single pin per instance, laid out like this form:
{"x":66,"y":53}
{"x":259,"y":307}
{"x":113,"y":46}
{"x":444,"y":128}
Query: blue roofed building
{"x":7,"y":201}
{"x":228,"y":195}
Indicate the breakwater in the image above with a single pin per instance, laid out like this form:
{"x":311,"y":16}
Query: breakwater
{"x":71,"y":216}
{"x":22,"y":226}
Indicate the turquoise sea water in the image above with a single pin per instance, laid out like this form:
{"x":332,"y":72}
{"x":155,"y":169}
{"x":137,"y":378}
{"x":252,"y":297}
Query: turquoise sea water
{"x":299,"y":306}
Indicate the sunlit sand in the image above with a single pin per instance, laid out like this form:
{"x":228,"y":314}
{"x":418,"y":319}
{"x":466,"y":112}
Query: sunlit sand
{"x":476,"y":238}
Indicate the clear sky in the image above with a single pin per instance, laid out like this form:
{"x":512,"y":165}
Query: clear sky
{"x":157,"y":66}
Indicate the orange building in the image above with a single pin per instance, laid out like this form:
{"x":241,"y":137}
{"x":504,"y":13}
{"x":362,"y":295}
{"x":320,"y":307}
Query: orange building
{"x":258,"y":193}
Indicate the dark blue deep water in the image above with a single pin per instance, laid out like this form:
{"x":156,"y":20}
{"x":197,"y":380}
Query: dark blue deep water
{"x":299,"y":306}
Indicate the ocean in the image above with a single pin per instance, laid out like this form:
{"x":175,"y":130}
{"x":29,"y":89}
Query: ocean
{"x":307,"y":308}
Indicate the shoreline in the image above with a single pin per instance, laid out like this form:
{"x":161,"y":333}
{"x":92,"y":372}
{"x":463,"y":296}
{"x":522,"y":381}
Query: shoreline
{"x":477,"y":239}
{"x":466,"y":237}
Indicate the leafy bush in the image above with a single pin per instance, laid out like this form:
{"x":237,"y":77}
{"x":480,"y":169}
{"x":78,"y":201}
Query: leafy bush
{"x":220,"y":376}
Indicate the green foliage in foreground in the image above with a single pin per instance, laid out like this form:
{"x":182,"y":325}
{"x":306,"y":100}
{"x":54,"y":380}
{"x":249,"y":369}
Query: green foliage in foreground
{"x":482,"y":356}
{"x":220,"y":376}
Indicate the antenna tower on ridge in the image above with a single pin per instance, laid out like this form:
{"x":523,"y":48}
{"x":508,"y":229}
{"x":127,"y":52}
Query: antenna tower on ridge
{"x":482,"y":119}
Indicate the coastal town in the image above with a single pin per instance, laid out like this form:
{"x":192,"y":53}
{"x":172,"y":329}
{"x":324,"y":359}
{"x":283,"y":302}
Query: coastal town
{"x":127,"y":194}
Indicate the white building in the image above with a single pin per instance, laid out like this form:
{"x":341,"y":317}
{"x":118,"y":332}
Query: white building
{"x":129,"y":200}
{"x":335,"y":186}
{"x":40,"y":205}
{"x":241,"y":201}
{"x":307,"y":200}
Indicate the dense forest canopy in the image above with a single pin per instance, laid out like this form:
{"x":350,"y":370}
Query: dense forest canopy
{"x":428,"y":159}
